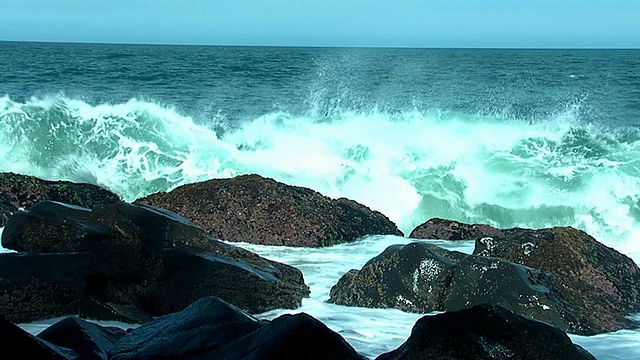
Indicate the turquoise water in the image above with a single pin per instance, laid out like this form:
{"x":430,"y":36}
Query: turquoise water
{"x":530,"y":138}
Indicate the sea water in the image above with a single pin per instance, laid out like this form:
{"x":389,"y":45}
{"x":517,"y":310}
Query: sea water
{"x":529,"y":138}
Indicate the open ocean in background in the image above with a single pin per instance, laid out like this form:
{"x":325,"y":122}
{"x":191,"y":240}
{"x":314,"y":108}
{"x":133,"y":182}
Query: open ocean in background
{"x":528,"y":138}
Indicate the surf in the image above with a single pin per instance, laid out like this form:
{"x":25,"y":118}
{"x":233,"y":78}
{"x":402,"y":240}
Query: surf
{"x":410,"y":164}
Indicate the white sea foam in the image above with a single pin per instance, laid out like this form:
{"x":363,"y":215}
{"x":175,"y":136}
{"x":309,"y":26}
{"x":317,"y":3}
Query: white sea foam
{"x":410,"y":165}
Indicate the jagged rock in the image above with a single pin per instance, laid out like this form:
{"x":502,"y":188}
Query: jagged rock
{"x":213,"y":329}
{"x":437,"y":228}
{"x":22,"y":191}
{"x":604,"y":284}
{"x":16,"y":343}
{"x":149,"y":262}
{"x":254,"y":209}
{"x":485,"y":332}
{"x":90,"y":341}
{"x":42,"y":286}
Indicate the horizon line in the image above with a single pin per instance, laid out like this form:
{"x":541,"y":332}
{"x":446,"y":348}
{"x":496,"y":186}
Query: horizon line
{"x":318,"y":46}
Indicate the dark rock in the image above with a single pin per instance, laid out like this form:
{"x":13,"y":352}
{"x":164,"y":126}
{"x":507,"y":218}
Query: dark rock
{"x":42,"y":286}
{"x":16,"y":343}
{"x":92,"y":308}
{"x":526,"y":291}
{"x":90,"y":341}
{"x":297,"y":336}
{"x":260,"y":210}
{"x":205,"y":325}
{"x":452,"y":230}
{"x":599,"y":284}
{"x":413,"y":277}
{"x":136,"y":269}
{"x":485,"y":332}
{"x":422,"y":278}
{"x":213,"y":329}
{"x":22,"y":191}
{"x":197,"y":273}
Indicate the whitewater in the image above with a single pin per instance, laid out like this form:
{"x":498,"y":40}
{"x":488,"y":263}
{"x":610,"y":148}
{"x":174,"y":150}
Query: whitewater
{"x":506,"y":138}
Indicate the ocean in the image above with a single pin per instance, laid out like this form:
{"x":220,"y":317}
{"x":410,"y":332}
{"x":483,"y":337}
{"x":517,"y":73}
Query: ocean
{"x":528,"y":138}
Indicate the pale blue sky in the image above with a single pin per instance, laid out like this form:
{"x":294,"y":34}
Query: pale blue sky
{"x":425,"y":23}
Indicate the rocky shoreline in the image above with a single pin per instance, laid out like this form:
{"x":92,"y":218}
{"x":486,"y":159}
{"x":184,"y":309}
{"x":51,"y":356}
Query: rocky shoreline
{"x":159,"y":262}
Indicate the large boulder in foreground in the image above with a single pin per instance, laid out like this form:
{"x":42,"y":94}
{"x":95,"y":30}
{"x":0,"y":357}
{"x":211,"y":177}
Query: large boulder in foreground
{"x":16,"y":343}
{"x":88,"y":340}
{"x":22,"y":191}
{"x":251,"y":208}
{"x":213,"y":329}
{"x":144,"y":262}
{"x":485,"y":332}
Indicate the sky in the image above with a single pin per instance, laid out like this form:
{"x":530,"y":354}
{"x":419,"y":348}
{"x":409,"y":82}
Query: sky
{"x":390,"y":23}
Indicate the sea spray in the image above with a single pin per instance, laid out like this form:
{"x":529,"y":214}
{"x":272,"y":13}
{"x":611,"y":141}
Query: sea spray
{"x":411,"y":165}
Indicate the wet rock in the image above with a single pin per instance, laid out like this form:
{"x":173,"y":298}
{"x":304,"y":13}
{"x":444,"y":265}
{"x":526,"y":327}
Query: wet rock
{"x":599,"y":284}
{"x":22,"y":191}
{"x":413,"y":277}
{"x":149,"y":262}
{"x":42,"y":286}
{"x":90,"y":341}
{"x":452,"y":230}
{"x":205,"y":325}
{"x":526,"y":291}
{"x":419,"y":277}
{"x":254,"y":209}
{"x":16,"y":343}
{"x":485,"y":332}
{"x":213,"y":329}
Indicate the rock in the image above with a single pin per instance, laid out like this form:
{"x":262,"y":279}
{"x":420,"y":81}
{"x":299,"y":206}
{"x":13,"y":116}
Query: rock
{"x":419,"y":277}
{"x":485,"y":332}
{"x":452,"y":230}
{"x":42,"y":286}
{"x":150,"y":262}
{"x":413,"y":277}
{"x":259,"y":210}
{"x":16,"y":343}
{"x":525,"y":291}
{"x":205,"y":325}
{"x":599,"y":284}
{"x":298,"y":336}
{"x":213,"y":329}
{"x":22,"y":191}
{"x":90,"y":341}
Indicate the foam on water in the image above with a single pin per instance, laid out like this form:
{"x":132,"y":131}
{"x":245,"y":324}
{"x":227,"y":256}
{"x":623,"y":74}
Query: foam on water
{"x":411,"y":165}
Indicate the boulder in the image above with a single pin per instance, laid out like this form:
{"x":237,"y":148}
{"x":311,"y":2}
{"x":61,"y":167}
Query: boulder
{"x":442,"y":229}
{"x":601,"y":285}
{"x":22,"y":191}
{"x":205,"y":325}
{"x":213,"y":329}
{"x":42,"y":286}
{"x":148,"y":262}
{"x":413,"y":278}
{"x":420,"y":277}
{"x":251,"y":208}
{"x":16,"y":343}
{"x":485,"y":332}
{"x":88,"y":340}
